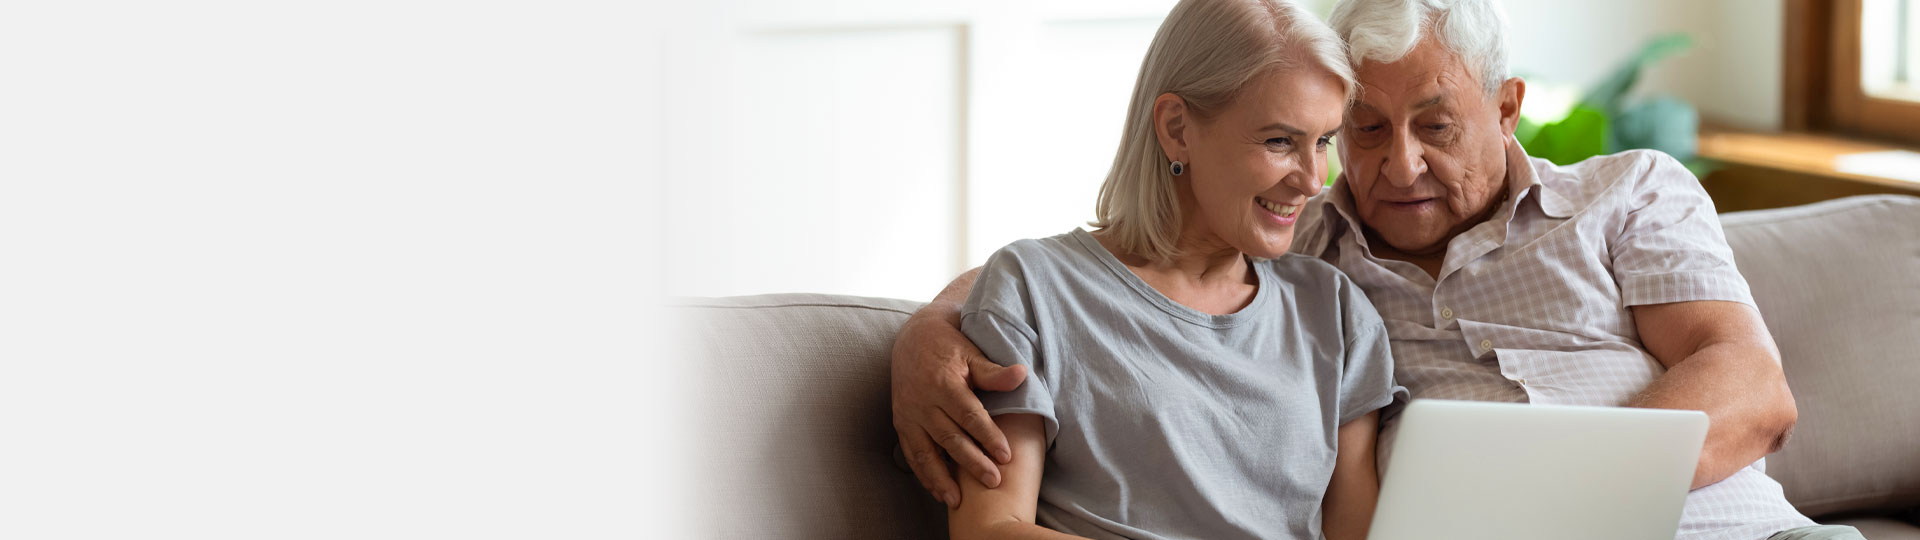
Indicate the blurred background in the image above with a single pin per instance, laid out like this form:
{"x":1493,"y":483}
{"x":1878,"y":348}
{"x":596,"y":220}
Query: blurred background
{"x":879,"y":148}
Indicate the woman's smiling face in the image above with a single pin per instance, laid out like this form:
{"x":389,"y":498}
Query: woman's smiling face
{"x":1253,"y":164}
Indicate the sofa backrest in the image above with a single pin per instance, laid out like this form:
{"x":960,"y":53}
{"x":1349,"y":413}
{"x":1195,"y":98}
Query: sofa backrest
{"x":796,"y":439}
{"x":1839,"y":285}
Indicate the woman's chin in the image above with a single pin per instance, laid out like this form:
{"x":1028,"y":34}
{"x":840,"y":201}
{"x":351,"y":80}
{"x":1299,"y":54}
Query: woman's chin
{"x":1271,"y":249}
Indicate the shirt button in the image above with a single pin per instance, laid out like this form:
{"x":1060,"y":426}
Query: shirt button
{"x":1486,"y":345}
{"x":1446,"y":313}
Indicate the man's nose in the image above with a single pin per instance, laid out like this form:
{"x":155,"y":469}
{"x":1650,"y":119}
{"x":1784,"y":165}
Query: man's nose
{"x":1406,"y":161}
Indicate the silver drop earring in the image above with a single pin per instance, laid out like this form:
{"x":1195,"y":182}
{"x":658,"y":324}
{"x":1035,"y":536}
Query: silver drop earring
{"x":1178,"y":168}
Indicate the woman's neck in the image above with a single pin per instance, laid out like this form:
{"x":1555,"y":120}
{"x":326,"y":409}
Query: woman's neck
{"x":1203,"y":259}
{"x":1206,"y":274}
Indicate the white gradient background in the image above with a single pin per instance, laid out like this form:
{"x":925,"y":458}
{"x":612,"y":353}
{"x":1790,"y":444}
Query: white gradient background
{"x":345,"y":269}
{"x":392,"y":269}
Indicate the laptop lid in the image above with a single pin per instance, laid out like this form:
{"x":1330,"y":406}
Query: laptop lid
{"x":1498,"y":471}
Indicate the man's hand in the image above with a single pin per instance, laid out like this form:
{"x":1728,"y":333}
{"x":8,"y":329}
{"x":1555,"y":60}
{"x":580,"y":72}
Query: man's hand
{"x":935,"y":412}
{"x":1720,"y":359}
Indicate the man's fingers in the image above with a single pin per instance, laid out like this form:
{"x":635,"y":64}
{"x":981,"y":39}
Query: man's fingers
{"x":930,"y":468}
{"x":960,"y":447}
{"x":966,"y":410}
{"x":991,"y":377}
{"x":980,"y":425}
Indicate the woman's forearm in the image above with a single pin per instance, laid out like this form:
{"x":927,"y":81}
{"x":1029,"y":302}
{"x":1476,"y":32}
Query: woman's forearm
{"x":1009,"y":511}
{"x":1014,"y":530}
{"x":1347,"y":512}
{"x":1350,"y":516}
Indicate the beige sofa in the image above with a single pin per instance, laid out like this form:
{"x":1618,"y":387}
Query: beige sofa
{"x":797,"y":441}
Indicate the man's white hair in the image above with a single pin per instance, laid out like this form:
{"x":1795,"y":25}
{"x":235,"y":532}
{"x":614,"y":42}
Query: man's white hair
{"x":1386,"y":30}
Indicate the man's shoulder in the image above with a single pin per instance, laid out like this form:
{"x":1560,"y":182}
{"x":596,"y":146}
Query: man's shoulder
{"x":1612,"y":178}
{"x":1315,"y":229}
{"x":1630,"y":164}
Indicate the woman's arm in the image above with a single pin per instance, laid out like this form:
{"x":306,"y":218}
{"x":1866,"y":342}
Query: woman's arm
{"x":1007,"y":511}
{"x":1347,"y":511}
{"x":934,"y":410}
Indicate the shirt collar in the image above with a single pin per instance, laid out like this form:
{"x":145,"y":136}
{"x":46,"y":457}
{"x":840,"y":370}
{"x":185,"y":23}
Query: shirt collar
{"x":1523,"y":177}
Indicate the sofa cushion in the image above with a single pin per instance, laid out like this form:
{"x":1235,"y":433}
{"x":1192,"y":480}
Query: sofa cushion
{"x":1839,"y":285}
{"x":1881,"y":528}
{"x":797,"y":440}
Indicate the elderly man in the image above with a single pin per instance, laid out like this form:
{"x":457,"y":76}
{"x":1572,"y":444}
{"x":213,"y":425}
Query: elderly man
{"x":1501,"y":278}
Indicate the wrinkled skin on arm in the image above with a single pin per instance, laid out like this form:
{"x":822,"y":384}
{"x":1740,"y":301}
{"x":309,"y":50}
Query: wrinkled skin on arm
{"x":1720,"y":359}
{"x":935,"y":413}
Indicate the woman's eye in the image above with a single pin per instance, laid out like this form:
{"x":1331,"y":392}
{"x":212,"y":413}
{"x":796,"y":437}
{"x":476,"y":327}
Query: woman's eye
{"x":1280,"y":141}
{"x":1324,"y":141}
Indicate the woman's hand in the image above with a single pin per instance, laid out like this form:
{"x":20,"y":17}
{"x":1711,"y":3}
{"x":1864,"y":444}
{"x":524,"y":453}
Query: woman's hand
{"x":935,"y":413}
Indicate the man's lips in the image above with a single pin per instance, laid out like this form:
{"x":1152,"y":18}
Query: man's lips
{"x":1410,"y":203}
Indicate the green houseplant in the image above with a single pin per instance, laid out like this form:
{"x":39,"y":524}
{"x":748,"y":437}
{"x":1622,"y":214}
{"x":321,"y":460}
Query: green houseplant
{"x":1604,"y":122}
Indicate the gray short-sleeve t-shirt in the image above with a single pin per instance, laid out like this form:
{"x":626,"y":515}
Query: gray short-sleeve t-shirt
{"x":1167,"y":422}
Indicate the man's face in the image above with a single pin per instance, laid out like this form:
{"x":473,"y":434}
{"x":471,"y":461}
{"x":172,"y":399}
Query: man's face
{"x":1424,"y":148}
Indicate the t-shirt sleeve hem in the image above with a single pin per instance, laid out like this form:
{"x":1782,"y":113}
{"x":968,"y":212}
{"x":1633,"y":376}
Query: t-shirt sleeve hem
{"x":1380,"y":400}
{"x":1053,"y":426}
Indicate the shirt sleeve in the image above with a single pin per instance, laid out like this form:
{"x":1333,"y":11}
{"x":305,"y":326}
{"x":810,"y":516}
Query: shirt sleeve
{"x":1366,"y":378}
{"x":1670,"y":247}
{"x":996,"y":320}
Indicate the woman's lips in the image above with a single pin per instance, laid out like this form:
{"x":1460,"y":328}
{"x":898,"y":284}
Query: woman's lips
{"x":1279,"y":213}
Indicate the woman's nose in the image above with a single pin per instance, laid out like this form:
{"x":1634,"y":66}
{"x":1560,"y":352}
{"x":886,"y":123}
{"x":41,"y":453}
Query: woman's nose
{"x":1315,"y":174}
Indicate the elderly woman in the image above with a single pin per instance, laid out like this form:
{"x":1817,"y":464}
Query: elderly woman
{"x":1189,"y":378}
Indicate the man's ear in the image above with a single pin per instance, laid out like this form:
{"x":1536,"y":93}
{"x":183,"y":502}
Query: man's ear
{"x":1512,"y":93}
{"x":1170,"y":124}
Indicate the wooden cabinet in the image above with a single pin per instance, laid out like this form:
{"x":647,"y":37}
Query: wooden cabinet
{"x":1772,"y":170}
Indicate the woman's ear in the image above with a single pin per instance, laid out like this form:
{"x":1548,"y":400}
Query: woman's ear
{"x":1170,"y":122}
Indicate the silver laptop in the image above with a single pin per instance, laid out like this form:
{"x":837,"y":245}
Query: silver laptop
{"x":1500,"y":471}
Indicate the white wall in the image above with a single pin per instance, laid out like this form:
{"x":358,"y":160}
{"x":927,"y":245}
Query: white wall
{"x":879,"y":147}
{"x":1732,"y":75}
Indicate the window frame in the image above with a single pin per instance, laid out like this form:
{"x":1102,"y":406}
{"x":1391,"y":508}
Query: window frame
{"x":1822,"y":89}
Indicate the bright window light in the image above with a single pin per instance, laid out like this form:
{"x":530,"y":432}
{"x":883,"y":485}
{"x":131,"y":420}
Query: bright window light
{"x":1890,"y":49}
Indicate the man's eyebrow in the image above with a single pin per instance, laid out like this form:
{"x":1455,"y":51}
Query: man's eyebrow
{"x":1429,"y":102}
{"x":1284,"y":127}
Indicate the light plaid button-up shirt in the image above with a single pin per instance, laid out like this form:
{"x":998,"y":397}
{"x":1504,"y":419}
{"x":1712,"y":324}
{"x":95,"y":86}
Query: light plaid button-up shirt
{"x":1532,"y":305}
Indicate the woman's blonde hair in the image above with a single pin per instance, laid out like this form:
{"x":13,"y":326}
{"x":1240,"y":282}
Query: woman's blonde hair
{"x":1204,"y":52}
